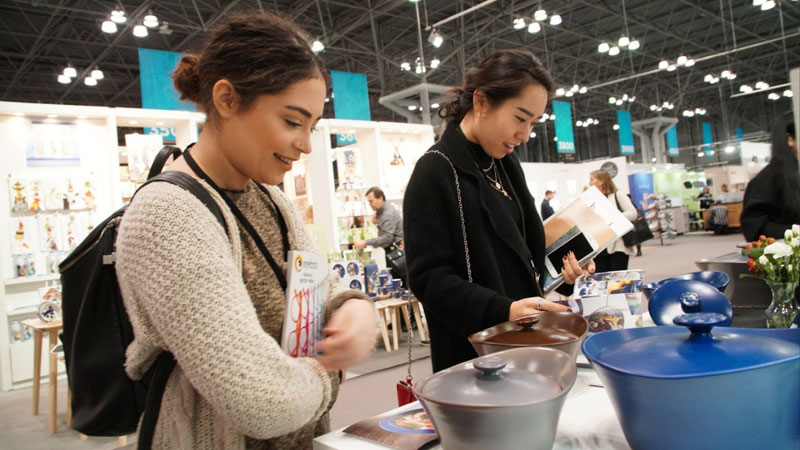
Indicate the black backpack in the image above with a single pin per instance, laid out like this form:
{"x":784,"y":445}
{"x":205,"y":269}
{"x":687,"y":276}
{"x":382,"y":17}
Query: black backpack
{"x":97,"y":331}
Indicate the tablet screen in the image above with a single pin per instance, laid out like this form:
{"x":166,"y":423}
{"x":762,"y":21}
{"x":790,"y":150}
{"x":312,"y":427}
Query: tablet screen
{"x":577,"y":244}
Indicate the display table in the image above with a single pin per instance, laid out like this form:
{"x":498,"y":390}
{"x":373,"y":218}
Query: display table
{"x":587,"y":421}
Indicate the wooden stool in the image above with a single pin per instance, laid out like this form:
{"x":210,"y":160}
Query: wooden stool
{"x":392,"y":308}
{"x":40,"y":327}
{"x":421,"y":326}
{"x":380,"y":311}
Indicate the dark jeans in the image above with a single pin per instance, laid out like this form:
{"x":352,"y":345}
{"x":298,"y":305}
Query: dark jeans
{"x":607,"y":262}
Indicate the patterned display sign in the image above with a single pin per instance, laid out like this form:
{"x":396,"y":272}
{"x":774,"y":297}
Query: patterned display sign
{"x":672,"y":141}
{"x":625,"y":133}
{"x":566,"y":140}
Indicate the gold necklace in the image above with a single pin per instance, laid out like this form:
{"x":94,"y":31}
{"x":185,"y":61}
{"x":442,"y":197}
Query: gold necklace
{"x":496,"y":182}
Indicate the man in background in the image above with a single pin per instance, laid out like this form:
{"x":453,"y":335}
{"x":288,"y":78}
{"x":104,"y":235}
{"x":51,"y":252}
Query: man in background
{"x":547,"y":210}
{"x":390,"y":224}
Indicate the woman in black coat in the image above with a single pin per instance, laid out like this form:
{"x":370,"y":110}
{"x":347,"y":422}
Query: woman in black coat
{"x":772,"y":199}
{"x":492,"y":113}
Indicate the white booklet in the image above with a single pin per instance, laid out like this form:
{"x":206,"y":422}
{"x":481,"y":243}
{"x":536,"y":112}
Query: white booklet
{"x":305,"y":303}
{"x":586,"y":226}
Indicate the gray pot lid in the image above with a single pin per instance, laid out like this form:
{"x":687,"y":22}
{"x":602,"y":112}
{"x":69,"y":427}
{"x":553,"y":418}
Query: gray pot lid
{"x":488,"y":382}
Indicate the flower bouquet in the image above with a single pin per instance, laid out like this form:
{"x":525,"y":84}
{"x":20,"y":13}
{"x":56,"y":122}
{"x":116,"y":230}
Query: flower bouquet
{"x":778,"y":264}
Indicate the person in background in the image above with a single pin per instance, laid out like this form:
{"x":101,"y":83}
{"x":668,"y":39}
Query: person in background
{"x":724,"y":188}
{"x":470,"y":281}
{"x":215,"y":300}
{"x":772,"y":198}
{"x":547,"y":210}
{"x":616,"y":255}
{"x":719,"y":217}
{"x":706,"y":199}
{"x":390,"y":224}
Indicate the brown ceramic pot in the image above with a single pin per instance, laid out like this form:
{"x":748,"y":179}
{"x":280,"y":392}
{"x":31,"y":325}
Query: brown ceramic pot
{"x":560,"y":330}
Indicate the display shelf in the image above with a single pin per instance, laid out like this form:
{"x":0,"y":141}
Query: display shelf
{"x":22,"y":311}
{"x":32,"y":279}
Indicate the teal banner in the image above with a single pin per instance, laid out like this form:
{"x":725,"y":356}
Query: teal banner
{"x":708,"y":137}
{"x":158,"y":92}
{"x":672,"y":141}
{"x":625,"y":133}
{"x":350,"y":97}
{"x":566,"y":140}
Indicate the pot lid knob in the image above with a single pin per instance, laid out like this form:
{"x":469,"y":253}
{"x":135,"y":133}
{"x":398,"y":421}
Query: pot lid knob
{"x":690,"y":302}
{"x":700,"y":323}
{"x":527,"y":322}
{"x":489,"y":366}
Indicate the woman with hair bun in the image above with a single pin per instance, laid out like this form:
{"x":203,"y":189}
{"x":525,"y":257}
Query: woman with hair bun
{"x":489,"y":274}
{"x":215,"y":300}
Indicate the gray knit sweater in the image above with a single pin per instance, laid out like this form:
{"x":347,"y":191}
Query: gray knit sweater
{"x":213,"y":301}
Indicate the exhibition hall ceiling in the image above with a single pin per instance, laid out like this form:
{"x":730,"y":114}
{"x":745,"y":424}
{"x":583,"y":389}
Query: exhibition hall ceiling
{"x":39,"y":38}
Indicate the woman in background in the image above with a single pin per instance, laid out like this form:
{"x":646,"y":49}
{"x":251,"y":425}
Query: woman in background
{"x":616,"y":255}
{"x":772,"y":199}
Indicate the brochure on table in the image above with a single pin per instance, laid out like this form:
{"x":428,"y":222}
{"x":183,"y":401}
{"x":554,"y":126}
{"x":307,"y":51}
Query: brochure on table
{"x":586,"y":226}
{"x":608,"y":300}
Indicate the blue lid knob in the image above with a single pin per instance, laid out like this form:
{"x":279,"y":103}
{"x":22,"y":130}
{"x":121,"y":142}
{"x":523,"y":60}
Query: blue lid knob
{"x":690,"y":302}
{"x":700,"y":323}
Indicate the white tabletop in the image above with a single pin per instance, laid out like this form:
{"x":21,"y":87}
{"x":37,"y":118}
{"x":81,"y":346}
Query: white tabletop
{"x":587,"y":422}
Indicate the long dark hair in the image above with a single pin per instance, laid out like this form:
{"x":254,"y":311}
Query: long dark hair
{"x":785,"y":162}
{"x":501,"y":76}
{"x":259,"y":53}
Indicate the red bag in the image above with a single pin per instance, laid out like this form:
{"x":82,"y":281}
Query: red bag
{"x":405,"y":392}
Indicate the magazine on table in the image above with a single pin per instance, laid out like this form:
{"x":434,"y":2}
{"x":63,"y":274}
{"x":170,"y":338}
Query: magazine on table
{"x":408,"y":428}
{"x":585,"y":226}
{"x":305,"y":303}
{"x":608,"y":300}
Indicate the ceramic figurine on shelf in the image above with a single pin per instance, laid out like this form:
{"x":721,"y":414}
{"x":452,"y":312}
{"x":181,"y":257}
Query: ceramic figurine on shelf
{"x":397,"y":160}
{"x":30,"y":265}
{"x":20,"y":203}
{"x":88,"y":197}
{"x":20,"y":243}
{"x":36,"y":203}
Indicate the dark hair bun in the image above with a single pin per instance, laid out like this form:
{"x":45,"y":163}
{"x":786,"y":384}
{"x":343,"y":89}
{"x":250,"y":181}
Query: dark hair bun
{"x":187,"y":78}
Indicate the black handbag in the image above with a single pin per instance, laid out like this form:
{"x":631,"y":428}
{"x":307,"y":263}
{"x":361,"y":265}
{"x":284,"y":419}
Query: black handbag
{"x":397,"y":261}
{"x":641,"y":229}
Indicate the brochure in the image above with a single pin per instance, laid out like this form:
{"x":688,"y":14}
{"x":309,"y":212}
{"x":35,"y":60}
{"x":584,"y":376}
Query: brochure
{"x":407,"y":429}
{"x":608,"y":300}
{"x":305,"y":303}
{"x":586,"y":226}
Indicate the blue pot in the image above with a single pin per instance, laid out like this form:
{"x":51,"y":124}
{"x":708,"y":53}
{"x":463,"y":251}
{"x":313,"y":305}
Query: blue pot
{"x":687,"y":296}
{"x":715,"y":278}
{"x":735,"y":388}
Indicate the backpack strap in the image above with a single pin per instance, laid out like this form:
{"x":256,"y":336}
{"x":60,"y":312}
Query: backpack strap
{"x":191,"y":184}
{"x":161,"y":159}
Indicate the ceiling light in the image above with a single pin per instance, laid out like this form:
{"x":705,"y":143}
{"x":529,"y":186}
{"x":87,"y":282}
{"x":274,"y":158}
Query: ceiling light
{"x":405,"y":65}
{"x":434,"y":105}
{"x":89,"y":81}
{"x":767,"y":5}
{"x":730,"y":149}
{"x":420,"y":69}
{"x":435,"y":38}
{"x":711,"y":152}
{"x":534,"y":27}
{"x":570,"y":93}
{"x":725,"y":73}
{"x":653,"y":107}
{"x":583,"y":89}
{"x":613,"y":51}
{"x":708,"y":78}
{"x":698,"y":111}
{"x":533,"y":134}
{"x":555,"y":20}
{"x":435,"y":63}
{"x":519,"y":23}
{"x":624,"y":41}
{"x":788,"y":93}
{"x":619,"y":102}
{"x":164,"y":29}
{"x":612,"y":100}
{"x":732,"y":76}
{"x":150,"y":20}
{"x":634,"y":45}
{"x":616,"y":126}
{"x":545,"y":116}
{"x":63,"y":79}
{"x":654,"y":159}
{"x":603,"y":47}
{"x":97,"y":74}
{"x":140,"y":31}
{"x":553,"y":117}
{"x":688,"y":113}
{"x":579,"y":123}
{"x":412,"y":107}
{"x":624,"y":97}
{"x":109,"y":27}
{"x":663,"y":64}
{"x":559,"y":92}
{"x":118,"y":16}
{"x":540,"y":15}
{"x":700,"y":154}
{"x":773,"y":96}
{"x":689,"y":62}
{"x":317,"y":46}
{"x":682,"y":60}
{"x":758,"y":2}
{"x":632,"y":99}
{"x":671,"y":68}
{"x":762,"y":85}
{"x":574,"y":88}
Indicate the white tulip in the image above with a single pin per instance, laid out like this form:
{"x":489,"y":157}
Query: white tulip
{"x":763,"y":260}
{"x":788,"y":236}
{"x":796,"y":230}
{"x":796,"y":243}
{"x":778,"y":250}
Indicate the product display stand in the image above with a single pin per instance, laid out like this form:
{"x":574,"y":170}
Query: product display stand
{"x":660,"y":217}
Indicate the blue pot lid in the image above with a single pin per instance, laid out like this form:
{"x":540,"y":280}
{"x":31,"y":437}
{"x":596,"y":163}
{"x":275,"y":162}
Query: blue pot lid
{"x":488,"y":382}
{"x":678,"y":352}
{"x":687,"y":296}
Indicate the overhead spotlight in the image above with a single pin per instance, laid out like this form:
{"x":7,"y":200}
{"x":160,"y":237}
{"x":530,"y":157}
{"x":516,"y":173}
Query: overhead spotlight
{"x":767,"y":5}
{"x":624,"y":41}
{"x":612,"y":100}
{"x":559,"y":92}
{"x":730,"y":149}
{"x":653,"y":107}
{"x":405,"y":65}
{"x":671,"y":68}
{"x":708,"y":78}
{"x":109,"y":27}
{"x":631,"y":99}
{"x":317,"y":46}
{"x":434,"y":105}
{"x":615,"y":127}
{"x":700,"y":154}
{"x":97,"y":74}
{"x":613,"y":51}
{"x":534,"y":27}
{"x":698,"y":111}
{"x":553,"y":117}
{"x":519,"y":23}
{"x":435,"y":63}
{"x":579,"y":123}
{"x":583,"y":89}
{"x":762,"y":85}
{"x":634,"y":45}
{"x":412,"y":107}
{"x":70,"y":71}
{"x":682,"y":60}
{"x":420,"y":69}
{"x":624,"y":97}
{"x":732,"y":76}
{"x":603,"y":47}
{"x":64,"y":79}
{"x":555,"y":20}
{"x":788,"y":93}
{"x":544,"y":117}
{"x":570,"y":93}
{"x":164,"y":29}
{"x":540,"y":15}
{"x":140,"y":31}
{"x":574,"y":88}
{"x":688,"y":113}
{"x":758,"y":2}
{"x":89,"y":81}
{"x":725,"y":74}
{"x":689,"y":62}
{"x":118,"y":16}
{"x":533,"y":134}
{"x":746,"y":89}
{"x":435,"y":38}
{"x":150,"y":20}
{"x":711,"y":153}
{"x":653,"y":159}
{"x":773,"y":96}
{"x":618,"y":102}
{"x":663,"y":64}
